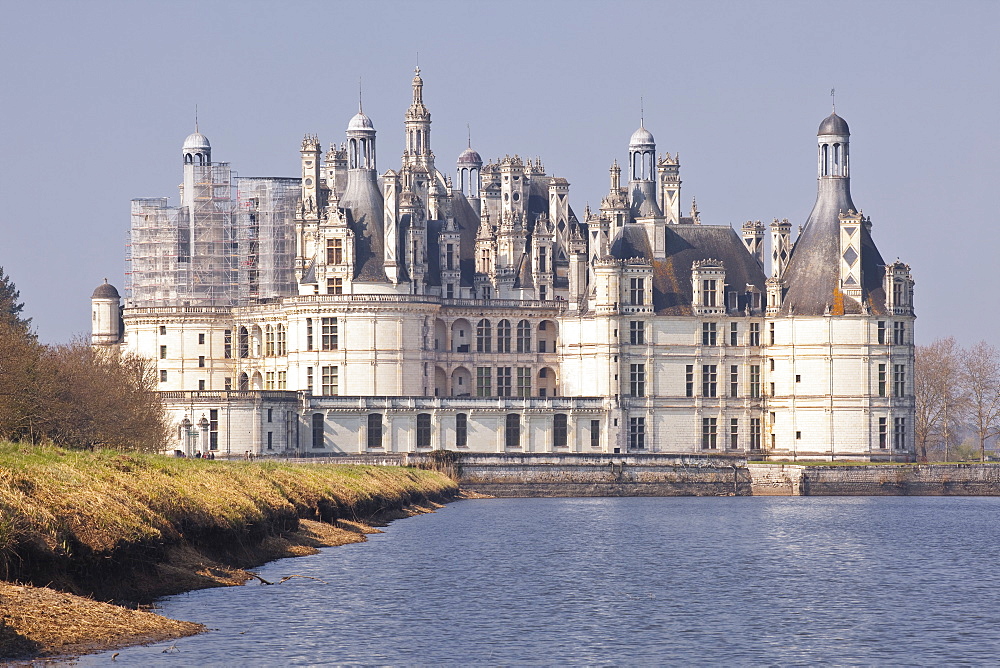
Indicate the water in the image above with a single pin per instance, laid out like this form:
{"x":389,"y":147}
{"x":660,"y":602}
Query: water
{"x":694,"y":581}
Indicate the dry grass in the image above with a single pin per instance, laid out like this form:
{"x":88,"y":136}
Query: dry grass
{"x":35,"y":621}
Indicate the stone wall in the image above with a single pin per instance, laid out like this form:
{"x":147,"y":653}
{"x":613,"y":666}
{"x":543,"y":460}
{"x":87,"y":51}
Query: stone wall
{"x":878,"y":480}
{"x":581,"y":475}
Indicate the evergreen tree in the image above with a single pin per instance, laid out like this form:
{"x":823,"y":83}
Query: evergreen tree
{"x":10,"y":307}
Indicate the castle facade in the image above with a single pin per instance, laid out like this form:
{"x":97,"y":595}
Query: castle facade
{"x":356,"y":311}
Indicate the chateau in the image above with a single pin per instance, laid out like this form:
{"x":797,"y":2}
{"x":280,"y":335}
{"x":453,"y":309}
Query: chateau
{"x":355,"y":311}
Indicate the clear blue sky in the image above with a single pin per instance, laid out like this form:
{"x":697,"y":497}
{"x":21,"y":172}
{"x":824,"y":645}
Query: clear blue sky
{"x":98,"y":97}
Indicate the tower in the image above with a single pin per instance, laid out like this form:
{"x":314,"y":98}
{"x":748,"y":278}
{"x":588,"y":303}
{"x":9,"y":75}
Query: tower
{"x":469,"y":168}
{"x":669,"y":169}
{"x":753,"y":239}
{"x":106,"y":316}
{"x":641,"y":182}
{"x":311,"y":176}
{"x":418,"y":129}
{"x":197,"y":153}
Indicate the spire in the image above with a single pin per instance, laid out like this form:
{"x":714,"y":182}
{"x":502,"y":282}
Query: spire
{"x":833,"y":99}
{"x":642,"y":113}
{"x":468,"y":130}
{"x":196,"y":117}
{"x":360,"y":110}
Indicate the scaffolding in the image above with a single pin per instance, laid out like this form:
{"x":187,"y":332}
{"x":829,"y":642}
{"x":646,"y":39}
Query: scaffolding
{"x":186,"y":255}
{"x":265,"y":237}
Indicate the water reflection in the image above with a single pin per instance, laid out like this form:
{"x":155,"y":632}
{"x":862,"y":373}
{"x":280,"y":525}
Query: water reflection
{"x":624,"y":581}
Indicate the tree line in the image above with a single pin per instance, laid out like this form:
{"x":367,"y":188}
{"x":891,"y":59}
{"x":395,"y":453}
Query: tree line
{"x":73,"y":394}
{"x":957,"y":400}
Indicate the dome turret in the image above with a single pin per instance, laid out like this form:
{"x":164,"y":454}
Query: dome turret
{"x":105,"y":291}
{"x":360,"y":122}
{"x":470,"y":157}
{"x":833,"y":125}
{"x":196,"y":142}
{"x":642,"y":137}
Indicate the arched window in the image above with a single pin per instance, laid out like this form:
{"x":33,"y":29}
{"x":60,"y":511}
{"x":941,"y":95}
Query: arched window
{"x":524,"y":337}
{"x":282,"y":347}
{"x":268,"y":341}
{"x":825,"y":160}
{"x":244,"y":343}
{"x":503,"y":336}
{"x":244,"y":382}
{"x":512,"y":433}
{"x":353,"y":148}
{"x":484,"y":336}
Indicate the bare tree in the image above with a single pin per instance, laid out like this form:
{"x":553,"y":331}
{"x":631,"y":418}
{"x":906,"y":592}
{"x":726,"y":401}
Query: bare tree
{"x":938,"y":387}
{"x":981,"y":380}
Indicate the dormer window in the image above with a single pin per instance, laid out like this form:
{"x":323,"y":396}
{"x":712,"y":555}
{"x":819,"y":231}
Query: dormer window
{"x":637,"y":291}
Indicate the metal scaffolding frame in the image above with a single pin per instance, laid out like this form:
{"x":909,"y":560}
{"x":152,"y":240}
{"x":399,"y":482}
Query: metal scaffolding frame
{"x":265,"y":234}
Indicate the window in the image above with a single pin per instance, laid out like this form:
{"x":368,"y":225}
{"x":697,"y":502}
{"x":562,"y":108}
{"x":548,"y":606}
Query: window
{"x":755,"y":433}
{"x":881,"y":331}
{"x":708,"y":292}
{"x":484,"y":382}
{"x":899,"y":333}
{"x":201,"y":361}
{"x":881,"y":380}
{"x":883,"y":433}
{"x":798,"y":378}
{"x":227,"y":384}
{"x":595,"y":433}
{"x":709,"y":378}
{"x":484,"y":336}
{"x":708,"y":334}
{"x":282,"y":346}
{"x":163,"y":330}
{"x":637,"y":380}
{"x":734,"y":433}
{"x":335,"y":286}
{"x":772,"y":391}
{"x":542,"y":293}
{"x":270,"y":415}
{"x":374,"y":430}
{"x":755,"y":381}
{"x":309,"y":379}
{"x":449,"y":256}
{"x":268,"y":380}
{"x":270,"y":440}
{"x":734,"y":334}
{"x":637,"y":433}
{"x":512,"y":433}
{"x":637,"y":332}
{"x":503,"y":381}
{"x":523,"y":381}
{"x":227,"y":344}
{"x":423,"y":430}
{"x":317,"y":430}
{"x":542,"y":260}
{"x":282,"y":380}
{"x":201,"y":385}
{"x":524,"y":337}
{"x":163,"y":375}
{"x":637,"y":291}
{"x":770,"y":328}
{"x":709,"y":434}
{"x":734,"y":380}
{"x":163,"y":352}
{"x":899,"y":433}
{"x":268,"y":341}
{"x":689,"y":380}
{"x":309,"y":333}
{"x":244,"y":343}
{"x":770,"y":364}
{"x":201,"y":339}
{"x":559,"y":430}
{"x":450,"y":291}
{"x":213,"y":429}
{"x":798,"y":435}
{"x":329,"y":333}
{"x":503,"y":336}
{"x":331,"y":378}
{"x":899,"y":380}
{"x":754,"y":334}
{"x":461,"y":430}
{"x":334,"y":251}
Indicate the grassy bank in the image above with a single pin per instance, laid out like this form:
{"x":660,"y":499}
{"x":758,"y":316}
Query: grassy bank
{"x":131,"y":527}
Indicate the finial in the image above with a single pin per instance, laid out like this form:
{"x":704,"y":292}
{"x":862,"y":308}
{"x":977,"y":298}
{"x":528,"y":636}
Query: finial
{"x":106,"y":280}
{"x":417,"y":68}
{"x":360,"y":111}
{"x":468,"y":130}
{"x":642,"y":112}
{"x":833,"y":99}
{"x":196,"y":117}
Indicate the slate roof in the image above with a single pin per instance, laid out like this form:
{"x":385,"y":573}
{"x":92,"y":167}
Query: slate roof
{"x":366,"y":210}
{"x":686,"y":244}
{"x":813,"y":272}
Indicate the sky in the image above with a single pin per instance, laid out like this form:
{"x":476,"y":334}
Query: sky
{"x":97,"y":97}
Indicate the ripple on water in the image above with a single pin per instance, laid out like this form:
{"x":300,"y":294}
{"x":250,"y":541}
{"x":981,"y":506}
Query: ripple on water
{"x":624,"y":581}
